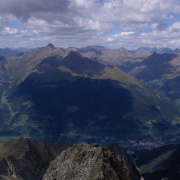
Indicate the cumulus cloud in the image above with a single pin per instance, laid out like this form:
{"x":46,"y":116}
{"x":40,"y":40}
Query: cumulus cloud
{"x":88,"y":22}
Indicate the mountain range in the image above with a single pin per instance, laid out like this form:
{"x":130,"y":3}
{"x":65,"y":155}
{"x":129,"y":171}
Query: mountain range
{"x":12,"y":51}
{"x":93,"y":95}
{"x":53,"y":93}
{"x":159,"y":67}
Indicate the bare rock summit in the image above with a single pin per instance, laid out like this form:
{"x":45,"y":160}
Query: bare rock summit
{"x":85,"y":162}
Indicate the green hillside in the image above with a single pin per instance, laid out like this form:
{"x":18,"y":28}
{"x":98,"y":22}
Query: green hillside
{"x":159,"y":163}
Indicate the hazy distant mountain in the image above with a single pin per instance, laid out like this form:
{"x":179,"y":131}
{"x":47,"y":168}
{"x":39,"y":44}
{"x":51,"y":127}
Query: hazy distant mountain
{"x":162,"y":71}
{"x":160,"y":67}
{"x":122,"y":55}
{"x":156,"y":50}
{"x":155,"y":66}
{"x":54,"y":93}
{"x":13,"y":52}
{"x":113,"y":56}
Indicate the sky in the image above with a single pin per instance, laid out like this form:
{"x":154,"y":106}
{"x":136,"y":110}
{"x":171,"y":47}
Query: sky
{"x":78,"y":23}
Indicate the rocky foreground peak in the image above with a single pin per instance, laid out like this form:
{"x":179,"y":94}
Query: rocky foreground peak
{"x":27,"y":159}
{"x":86,"y":162}
{"x":34,"y":160}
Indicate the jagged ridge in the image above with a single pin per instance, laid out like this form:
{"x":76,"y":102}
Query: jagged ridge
{"x":85,"y":162}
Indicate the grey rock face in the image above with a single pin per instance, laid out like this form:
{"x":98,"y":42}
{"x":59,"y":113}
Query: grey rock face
{"x":84,"y":162}
{"x":26,"y":159}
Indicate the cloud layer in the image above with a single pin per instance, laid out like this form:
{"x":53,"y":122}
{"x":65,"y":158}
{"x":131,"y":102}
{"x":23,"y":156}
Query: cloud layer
{"x":111,"y":23}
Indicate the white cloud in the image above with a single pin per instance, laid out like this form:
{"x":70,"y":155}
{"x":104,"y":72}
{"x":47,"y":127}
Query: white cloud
{"x":175,"y":27}
{"x":11,"y":31}
{"x":87,"y":22}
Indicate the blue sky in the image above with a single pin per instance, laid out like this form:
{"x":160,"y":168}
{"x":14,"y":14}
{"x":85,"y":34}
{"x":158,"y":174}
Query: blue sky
{"x":16,"y":25}
{"x":77,"y":23}
{"x":115,"y":29}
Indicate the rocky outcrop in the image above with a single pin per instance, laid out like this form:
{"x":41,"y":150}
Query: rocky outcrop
{"x":27,"y":159}
{"x":85,"y":162}
{"x":122,"y":156}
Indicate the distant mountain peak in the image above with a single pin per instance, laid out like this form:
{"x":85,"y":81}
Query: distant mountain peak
{"x":160,"y":50}
{"x":122,"y":49}
{"x":74,"y":49}
{"x":51,"y":45}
